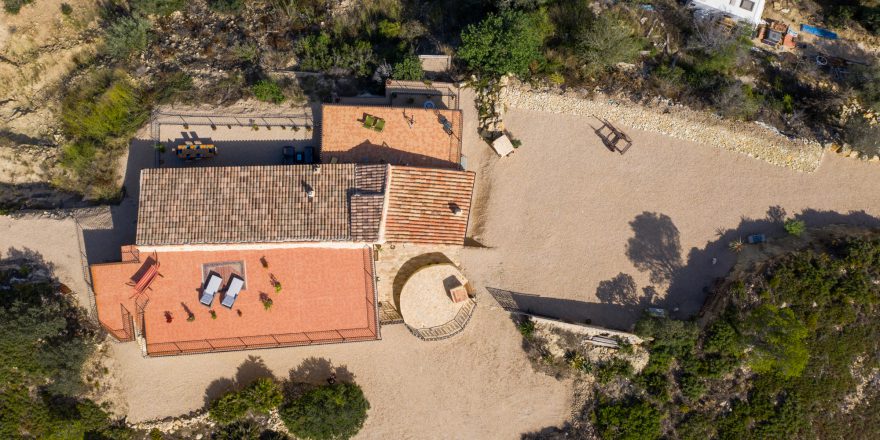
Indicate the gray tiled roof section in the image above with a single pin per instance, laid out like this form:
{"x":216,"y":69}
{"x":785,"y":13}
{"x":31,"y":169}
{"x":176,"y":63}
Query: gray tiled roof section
{"x":253,"y":204}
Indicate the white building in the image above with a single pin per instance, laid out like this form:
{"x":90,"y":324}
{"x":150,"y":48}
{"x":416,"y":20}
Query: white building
{"x":742,"y":10}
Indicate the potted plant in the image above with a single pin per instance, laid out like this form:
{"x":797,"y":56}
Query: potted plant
{"x":267,"y":302}
{"x":213,"y":314}
{"x":277,"y":287}
{"x":191,"y":317}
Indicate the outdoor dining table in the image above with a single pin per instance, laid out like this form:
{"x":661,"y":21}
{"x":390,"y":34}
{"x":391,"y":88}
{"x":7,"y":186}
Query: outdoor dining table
{"x":196,"y":151}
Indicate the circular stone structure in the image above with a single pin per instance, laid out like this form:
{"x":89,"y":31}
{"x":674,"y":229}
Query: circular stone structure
{"x":425,"y":301}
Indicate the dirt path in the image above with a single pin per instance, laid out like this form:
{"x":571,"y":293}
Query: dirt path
{"x":592,"y":230}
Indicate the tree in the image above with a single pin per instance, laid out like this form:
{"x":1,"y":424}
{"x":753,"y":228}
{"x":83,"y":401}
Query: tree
{"x":45,"y":340}
{"x":610,"y":39}
{"x":328,"y":412}
{"x":502,"y":43}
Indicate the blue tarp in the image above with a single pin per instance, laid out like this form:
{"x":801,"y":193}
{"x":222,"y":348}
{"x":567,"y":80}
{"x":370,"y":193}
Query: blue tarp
{"x":824,"y":33}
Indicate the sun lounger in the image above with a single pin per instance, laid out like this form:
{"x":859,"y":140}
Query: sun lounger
{"x":235,"y":286}
{"x":210,"y":289}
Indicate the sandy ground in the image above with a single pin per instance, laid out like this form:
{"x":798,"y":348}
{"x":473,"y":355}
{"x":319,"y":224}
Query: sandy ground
{"x":477,"y":384}
{"x":55,"y":240}
{"x":599,"y":236}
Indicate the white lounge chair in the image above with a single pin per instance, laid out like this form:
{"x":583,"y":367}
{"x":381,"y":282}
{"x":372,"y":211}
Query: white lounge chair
{"x":210,"y":289}
{"x":235,"y":286}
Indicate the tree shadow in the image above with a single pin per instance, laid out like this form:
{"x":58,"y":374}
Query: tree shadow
{"x":619,"y":290}
{"x":315,"y":370}
{"x":688,"y":283}
{"x":253,"y":368}
{"x":655,"y":247}
{"x":217,"y":388}
{"x":32,"y":258}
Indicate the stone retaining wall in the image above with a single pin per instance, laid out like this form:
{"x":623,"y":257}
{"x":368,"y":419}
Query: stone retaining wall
{"x":676,"y":121}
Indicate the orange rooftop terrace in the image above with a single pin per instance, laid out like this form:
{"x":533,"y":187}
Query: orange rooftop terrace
{"x":292,"y":295}
{"x":391,"y":135}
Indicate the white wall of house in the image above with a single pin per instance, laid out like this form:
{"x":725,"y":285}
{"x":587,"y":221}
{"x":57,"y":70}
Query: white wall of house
{"x":744,"y":10}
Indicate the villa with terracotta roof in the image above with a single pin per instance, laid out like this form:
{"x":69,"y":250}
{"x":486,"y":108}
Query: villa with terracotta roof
{"x":295,"y":241}
{"x":424,"y":137}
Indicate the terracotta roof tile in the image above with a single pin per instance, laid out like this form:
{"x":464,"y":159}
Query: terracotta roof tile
{"x":424,"y":143}
{"x":421,"y":205}
{"x":250,"y":204}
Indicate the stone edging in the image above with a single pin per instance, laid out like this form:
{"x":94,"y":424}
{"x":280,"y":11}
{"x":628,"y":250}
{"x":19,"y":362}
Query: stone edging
{"x":752,"y":139}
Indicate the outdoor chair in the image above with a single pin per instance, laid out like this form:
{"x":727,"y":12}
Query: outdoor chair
{"x":235,"y":285}
{"x":369,"y":121}
{"x":379,"y":125}
{"x":210,"y":289}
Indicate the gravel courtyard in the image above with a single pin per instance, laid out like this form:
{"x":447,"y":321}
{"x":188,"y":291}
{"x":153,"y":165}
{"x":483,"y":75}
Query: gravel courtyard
{"x":599,"y":235}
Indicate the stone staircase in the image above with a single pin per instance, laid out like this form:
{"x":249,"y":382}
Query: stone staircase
{"x":449,"y":329}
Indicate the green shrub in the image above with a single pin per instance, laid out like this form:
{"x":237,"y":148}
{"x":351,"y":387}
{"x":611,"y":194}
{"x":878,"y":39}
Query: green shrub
{"x":226,"y":6}
{"x":126,"y":37}
{"x":612,"y":369}
{"x":502,"y":43}
{"x":239,"y":430}
{"x":260,"y":397}
{"x":795,"y":227}
{"x":389,"y":29}
{"x":14,"y":6}
{"x":322,"y":53}
{"x":105,"y":106}
{"x":328,"y":412}
{"x":66,"y":9}
{"x":777,"y":337}
{"x":263,"y":395}
{"x":864,"y":136}
{"x":608,"y":40}
{"x":268,"y":91}
{"x":526,"y":327}
{"x":408,"y":69}
{"x":99,"y":114}
{"x":156,"y":7}
{"x":635,"y":420}
{"x":229,"y":407}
